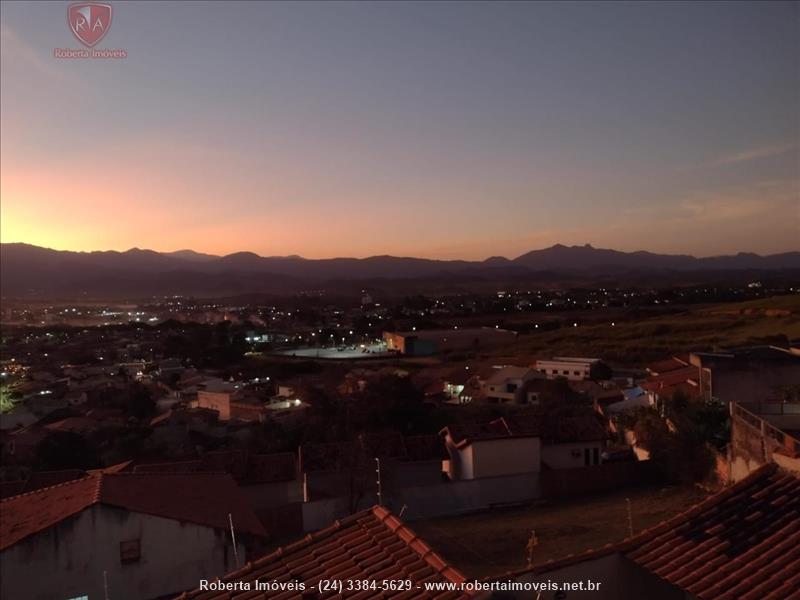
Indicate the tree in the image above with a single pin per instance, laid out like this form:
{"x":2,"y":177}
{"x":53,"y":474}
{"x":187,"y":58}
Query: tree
{"x":65,"y":450}
{"x":140,"y":403}
{"x":393,"y":402}
{"x":600,"y":371}
{"x":680,"y":451}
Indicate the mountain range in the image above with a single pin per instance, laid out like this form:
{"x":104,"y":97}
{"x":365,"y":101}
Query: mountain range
{"x":32,"y":270}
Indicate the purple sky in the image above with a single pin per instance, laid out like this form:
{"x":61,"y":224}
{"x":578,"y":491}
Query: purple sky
{"x":428,"y":129}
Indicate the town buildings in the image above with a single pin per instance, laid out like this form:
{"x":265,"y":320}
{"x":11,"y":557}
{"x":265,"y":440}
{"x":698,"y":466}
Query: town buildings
{"x":574,"y":369}
{"x":123,"y":535}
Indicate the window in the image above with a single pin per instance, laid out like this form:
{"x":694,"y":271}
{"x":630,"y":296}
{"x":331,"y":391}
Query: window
{"x":586,"y":457}
{"x":79,"y":598}
{"x":596,"y":455}
{"x":130,"y":551}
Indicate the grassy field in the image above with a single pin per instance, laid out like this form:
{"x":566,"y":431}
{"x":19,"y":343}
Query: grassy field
{"x":634,"y":341}
{"x":493,"y":543}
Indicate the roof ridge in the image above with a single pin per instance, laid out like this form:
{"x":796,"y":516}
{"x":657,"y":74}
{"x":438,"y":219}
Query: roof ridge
{"x":307,"y":539}
{"x":98,"y":490}
{"x":416,"y":543}
{"x":650,"y":533}
{"x":49,"y":487}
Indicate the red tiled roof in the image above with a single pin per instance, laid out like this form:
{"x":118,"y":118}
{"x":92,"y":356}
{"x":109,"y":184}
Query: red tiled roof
{"x":371,"y":545}
{"x":200,"y":498}
{"x":670,"y":364}
{"x":30,"y":513}
{"x":74,"y":424}
{"x":686,"y":379}
{"x":742,"y":543}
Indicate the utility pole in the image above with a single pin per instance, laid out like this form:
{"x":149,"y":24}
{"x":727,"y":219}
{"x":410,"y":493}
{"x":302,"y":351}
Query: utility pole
{"x":378,"y":480}
{"x":233,"y":538}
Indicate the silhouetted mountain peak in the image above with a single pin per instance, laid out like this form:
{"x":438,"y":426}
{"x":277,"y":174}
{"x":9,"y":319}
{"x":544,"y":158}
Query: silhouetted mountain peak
{"x":26,"y":269}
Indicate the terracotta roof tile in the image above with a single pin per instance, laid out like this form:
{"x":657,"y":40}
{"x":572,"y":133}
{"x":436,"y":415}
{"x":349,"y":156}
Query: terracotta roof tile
{"x":741,"y":543}
{"x":213,"y":496}
{"x":372,"y":544}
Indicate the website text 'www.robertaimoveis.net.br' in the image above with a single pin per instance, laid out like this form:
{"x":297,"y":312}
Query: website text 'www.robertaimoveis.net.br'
{"x":362,"y":585}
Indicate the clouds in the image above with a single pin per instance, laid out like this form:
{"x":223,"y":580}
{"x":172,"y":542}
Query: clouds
{"x":755,"y":154}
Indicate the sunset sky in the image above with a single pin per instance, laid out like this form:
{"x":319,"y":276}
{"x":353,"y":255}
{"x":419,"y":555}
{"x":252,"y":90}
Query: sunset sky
{"x":444,"y":130}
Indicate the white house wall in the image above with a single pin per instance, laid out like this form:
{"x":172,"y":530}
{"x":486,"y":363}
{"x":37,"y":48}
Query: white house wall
{"x":69,"y":559}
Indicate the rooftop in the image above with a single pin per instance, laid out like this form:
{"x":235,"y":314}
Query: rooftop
{"x":742,"y":543}
{"x":213,"y":496}
{"x":370,"y":545}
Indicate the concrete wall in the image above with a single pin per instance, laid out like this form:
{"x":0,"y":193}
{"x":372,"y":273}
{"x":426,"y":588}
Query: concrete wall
{"x":461,"y":463}
{"x":460,"y":497}
{"x":752,"y":446}
{"x":512,"y":456}
{"x":270,"y":495}
{"x":219,"y":401}
{"x":757,"y":383}
{"x":618,"y":578}
{"x":560,"y":456}
{"x":423,"y":502}
{"x":68,"y":560}
{"x":494,"y":458}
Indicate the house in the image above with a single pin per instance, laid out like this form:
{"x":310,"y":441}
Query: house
{"x":633,"y":397}
{"x":345,"y":469}
{"x":433,"y":341}
{"x":507,"y":385}
{"x":266,"y":480}
{"x":370,"y":546}
{"x":573,"y":368}
{"x":741,"y":543}
{"x":122,"y":535}
{"x":574,"y":441}
{"x":670,"y":377}
{"x":746,"y":375}
{"x":601,"y":394}
{"x":490,"y":450}
{"x":216,"y":395}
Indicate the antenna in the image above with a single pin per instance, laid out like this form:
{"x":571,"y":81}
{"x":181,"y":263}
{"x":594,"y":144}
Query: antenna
{"x":233,"y":537}
{"x":105,"y":584}
{"x":630,"y":517}
{"x":378,"y":481}
{"x":402,"y":510}
{"x":533,"y":541}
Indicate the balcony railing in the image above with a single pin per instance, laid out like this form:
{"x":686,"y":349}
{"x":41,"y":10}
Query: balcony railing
{"x":783,"y":439}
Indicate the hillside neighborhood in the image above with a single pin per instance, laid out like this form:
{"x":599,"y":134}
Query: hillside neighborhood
{"x":146,"y":455}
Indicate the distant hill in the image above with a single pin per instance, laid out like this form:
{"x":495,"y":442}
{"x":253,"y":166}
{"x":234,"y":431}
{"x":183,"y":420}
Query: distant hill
{"x":32,"y":270}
